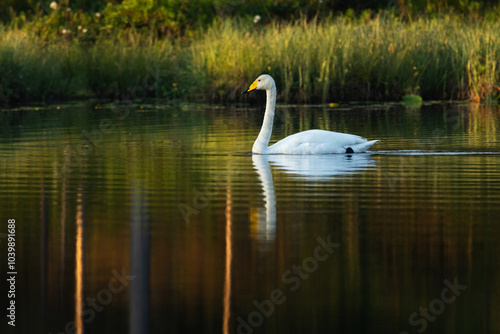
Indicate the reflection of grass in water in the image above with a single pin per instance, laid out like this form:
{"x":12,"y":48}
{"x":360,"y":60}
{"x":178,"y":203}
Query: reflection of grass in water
{"x":342,"y":59}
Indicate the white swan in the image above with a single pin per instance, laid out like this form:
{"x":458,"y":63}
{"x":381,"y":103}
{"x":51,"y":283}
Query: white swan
{"x":306,"y":142}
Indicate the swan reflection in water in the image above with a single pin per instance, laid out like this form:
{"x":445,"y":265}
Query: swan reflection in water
{"x":322,"y":167}
{"x":304,"y":167}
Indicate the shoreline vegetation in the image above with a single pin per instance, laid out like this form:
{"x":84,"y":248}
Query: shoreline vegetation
{"x":370,"y":57}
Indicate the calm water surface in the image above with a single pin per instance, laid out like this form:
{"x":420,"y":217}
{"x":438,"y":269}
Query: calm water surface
{"x":160,"y":221}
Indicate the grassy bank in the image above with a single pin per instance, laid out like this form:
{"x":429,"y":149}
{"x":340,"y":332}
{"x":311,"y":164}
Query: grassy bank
{"x":338,"y":60}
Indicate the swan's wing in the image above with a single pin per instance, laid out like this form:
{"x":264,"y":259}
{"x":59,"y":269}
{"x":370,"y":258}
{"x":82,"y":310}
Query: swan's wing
{"x":316,"y":142}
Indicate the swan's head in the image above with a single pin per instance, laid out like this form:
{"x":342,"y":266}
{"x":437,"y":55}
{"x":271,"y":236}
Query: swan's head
{"x":263,"y":82}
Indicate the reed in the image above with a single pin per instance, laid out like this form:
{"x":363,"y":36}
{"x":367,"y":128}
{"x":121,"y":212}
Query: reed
{"x":378,"y":59}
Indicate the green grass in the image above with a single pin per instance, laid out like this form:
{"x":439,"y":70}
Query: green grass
{"x":380,"y":59}
{"x":342,"y":59}
{"x":35,"y":70}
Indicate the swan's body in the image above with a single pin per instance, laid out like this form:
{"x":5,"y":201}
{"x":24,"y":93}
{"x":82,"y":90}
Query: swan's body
{"x":317,"y":142}
{"x":306,"y":142}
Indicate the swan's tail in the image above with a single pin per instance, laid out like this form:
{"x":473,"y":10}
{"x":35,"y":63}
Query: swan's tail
{"x":363,"y":147}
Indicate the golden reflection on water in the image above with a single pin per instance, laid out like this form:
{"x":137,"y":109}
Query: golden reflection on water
{"x":229,"y":257}
{"x":63,"y":227}
{"x":481,"y":127}
{"x":80,"y":221}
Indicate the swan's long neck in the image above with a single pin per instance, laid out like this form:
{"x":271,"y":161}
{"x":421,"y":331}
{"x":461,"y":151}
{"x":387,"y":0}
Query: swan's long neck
{"x":262,"y":141}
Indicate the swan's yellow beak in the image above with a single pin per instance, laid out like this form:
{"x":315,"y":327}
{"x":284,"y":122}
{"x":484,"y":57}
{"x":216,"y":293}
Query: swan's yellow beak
{"x":252,"y":87}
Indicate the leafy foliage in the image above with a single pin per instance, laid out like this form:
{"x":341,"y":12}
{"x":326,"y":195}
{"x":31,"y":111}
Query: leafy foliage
{"x":181,"y":16}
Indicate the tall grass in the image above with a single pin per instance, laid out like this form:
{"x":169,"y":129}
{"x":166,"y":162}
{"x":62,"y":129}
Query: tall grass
{"x":338,"y":60}
{"x":380,"y":59}
{"x":35,"y":70}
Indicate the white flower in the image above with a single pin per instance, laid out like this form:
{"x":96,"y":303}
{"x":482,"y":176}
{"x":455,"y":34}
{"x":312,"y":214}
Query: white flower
{"x":79,"y":27}
{"x":53,"y":5}
{"x":66,"y":31}
{"x":256,"y":19}
{"x":98,"y":15}
{"x":84,"y":30}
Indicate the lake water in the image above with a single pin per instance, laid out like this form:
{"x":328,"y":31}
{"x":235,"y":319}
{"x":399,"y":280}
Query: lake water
{"x":159,"y":220}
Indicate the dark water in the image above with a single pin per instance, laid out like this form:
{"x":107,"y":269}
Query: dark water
{"x":159,"y":220}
